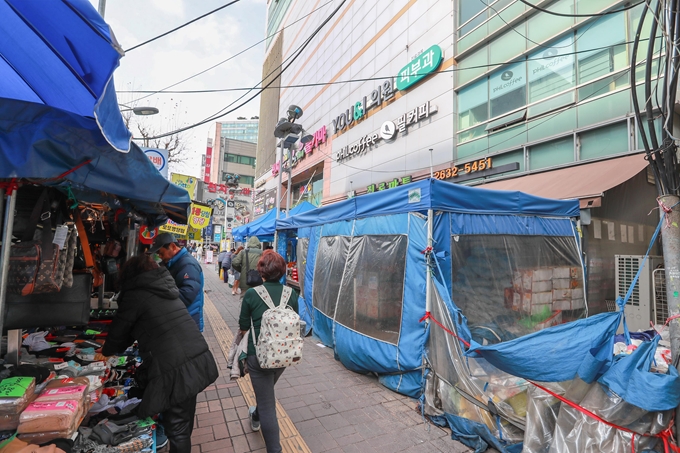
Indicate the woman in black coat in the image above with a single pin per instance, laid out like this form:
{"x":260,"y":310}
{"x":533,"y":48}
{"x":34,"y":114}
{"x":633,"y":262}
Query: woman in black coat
{"x":177,"y":364}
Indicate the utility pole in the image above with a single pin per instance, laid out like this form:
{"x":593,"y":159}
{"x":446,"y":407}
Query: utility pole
{"x":661,"y":150}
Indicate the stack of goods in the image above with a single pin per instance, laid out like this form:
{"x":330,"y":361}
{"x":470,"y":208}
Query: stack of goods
{"x":15,"y":395}
{"x":65,"y":389}
{"x":544,"y":293}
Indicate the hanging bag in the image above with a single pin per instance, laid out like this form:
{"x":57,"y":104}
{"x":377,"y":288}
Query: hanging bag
{"x":280,"y":342}
{"x":253,"y":277}
{"x":34,"y":264}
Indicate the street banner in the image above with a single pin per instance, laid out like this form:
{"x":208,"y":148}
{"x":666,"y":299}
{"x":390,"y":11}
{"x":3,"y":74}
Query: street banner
{"x":199,"y":216}
{"x":186,"y":182}
{"x":175,"y":228}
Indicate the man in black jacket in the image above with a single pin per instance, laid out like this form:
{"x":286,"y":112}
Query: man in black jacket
{"x":185,"y":270}
{"x":176,"y":361}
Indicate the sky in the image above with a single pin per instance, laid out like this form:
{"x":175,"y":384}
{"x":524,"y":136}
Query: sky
{"x":182,"y":54}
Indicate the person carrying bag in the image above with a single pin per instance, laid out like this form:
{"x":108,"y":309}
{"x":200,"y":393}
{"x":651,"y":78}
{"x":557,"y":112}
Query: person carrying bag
{"x":255,"y":312}
{"x":246,"y":263}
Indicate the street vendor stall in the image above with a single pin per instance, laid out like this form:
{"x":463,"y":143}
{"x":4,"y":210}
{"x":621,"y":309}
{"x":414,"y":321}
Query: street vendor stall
{"x":73,"y":191}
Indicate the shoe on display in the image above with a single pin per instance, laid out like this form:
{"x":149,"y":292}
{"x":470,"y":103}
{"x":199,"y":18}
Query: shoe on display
{"x":254,"y":419}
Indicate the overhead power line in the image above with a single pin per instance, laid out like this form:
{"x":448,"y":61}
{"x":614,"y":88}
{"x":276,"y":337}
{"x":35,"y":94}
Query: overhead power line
{"x":182,"y":26}
{"x":297,"y":54}
{"x":163,"y":90}
{"x":368,"y":79}
{"x":554,"y":13}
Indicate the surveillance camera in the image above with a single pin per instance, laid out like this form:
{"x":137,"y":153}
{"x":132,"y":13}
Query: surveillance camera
{"x":294,"y":113}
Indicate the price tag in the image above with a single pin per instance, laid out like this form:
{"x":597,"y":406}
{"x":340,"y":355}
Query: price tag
{"x":14,"y":387}
{"x":60,"y":236}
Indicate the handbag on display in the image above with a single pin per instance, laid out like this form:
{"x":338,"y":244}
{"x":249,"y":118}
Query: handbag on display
{"x":35,"y":263}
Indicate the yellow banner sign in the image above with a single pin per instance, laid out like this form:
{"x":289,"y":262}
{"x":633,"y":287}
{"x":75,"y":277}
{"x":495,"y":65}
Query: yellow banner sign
{"x":199,"y":216}
{"x":174,"y":228}
{"x":186,"y":182}
{"x":194,"y":234}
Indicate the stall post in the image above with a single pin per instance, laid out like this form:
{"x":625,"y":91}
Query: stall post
{"x":13,"y":336}
{"x":429,"y":264}
{"x":278,"y":193}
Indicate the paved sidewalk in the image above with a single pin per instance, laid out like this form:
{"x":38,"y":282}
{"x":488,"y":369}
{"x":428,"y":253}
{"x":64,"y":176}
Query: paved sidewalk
{"x":323,"y":407}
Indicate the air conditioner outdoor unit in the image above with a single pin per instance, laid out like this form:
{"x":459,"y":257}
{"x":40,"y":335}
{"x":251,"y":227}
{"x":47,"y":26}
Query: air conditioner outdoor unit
{"x":641,"y":307}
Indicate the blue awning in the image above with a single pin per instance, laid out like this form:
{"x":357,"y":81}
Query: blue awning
{"x":60,"y":148}
{"x":62,"y":54}
{"x":437,"y":195}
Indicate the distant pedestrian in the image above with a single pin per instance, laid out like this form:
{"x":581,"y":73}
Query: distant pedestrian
{"x":220,"y":257}
{"x":247,"y":260}
{"x":237,"y":275}
{"x":271,"y":267}
{"x":226,"y":264}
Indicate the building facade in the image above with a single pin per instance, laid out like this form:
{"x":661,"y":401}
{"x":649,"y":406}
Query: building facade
{"x":241,"y":129}
{"x":229,"y":173}
{"x":484,"y":93}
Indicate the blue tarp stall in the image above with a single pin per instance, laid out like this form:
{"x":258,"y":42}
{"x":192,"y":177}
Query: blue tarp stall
{"x":496,"y":302}
{"x":60,"y":122}
{"x":254,"y":228}
{"x":264,"y":227}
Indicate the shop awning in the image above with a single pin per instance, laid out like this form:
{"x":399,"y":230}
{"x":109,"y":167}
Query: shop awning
{"x":587,"y":182}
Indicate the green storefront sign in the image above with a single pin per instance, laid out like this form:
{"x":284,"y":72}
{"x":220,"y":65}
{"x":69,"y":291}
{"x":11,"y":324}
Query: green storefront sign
{"x":424,"y":64}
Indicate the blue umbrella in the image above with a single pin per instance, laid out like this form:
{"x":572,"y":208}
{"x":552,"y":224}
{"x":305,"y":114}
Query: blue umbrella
{"x":62,"y":54}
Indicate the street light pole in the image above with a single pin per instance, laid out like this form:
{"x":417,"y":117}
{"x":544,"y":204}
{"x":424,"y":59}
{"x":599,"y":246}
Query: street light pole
{"x":278,"y":192}
{"x":102,"y":7}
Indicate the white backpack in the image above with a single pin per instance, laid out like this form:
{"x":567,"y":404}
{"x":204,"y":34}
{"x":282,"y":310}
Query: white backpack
{"x":279,"y":343}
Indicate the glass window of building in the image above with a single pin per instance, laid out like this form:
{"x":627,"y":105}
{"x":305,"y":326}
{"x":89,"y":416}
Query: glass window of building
{"x":602,"y":36}
{"x":472,"y":104}
{"x":507,"y":89}
{"x":551,"y":70}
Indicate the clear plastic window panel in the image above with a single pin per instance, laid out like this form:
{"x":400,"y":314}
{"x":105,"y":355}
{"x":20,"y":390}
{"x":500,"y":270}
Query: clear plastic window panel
{"x":302,"y":247}
{"x":372,"y":290}
{"x":510,"y":286}
{"x":330,"y":264}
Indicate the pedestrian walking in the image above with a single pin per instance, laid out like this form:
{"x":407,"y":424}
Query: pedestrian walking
{"x":176,"y":361}
{"x":247,"y":260}
{"x":226,"y":264}
{"x":220,"y":257}
{"x":271,"y":267}
{"x":237,"y":275}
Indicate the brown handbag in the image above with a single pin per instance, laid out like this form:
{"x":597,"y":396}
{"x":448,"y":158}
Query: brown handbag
{"x":34,"y":264}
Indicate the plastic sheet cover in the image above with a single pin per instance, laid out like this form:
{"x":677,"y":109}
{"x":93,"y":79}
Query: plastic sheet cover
{"x":373,"y":286}
{"x":330,"y":265}
{"x":510,"y":286}
{"x":576,"y":432}
{"x":302,"y":247}
{"x":359,"y":282}
{"x":468,"y":387}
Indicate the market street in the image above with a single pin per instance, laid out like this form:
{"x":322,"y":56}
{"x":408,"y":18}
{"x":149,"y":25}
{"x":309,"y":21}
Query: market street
{"x":322,"y":406}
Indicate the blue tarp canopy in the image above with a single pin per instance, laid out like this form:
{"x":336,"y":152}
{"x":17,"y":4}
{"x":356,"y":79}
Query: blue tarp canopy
{"x":62,"y":54}
{"x":265,"y":226}
{"x":60,"y":123}
{"x":433,"y":194}
{"x":60,"y":148}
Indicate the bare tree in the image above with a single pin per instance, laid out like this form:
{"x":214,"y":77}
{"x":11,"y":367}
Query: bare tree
{"x":176,"y":144}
